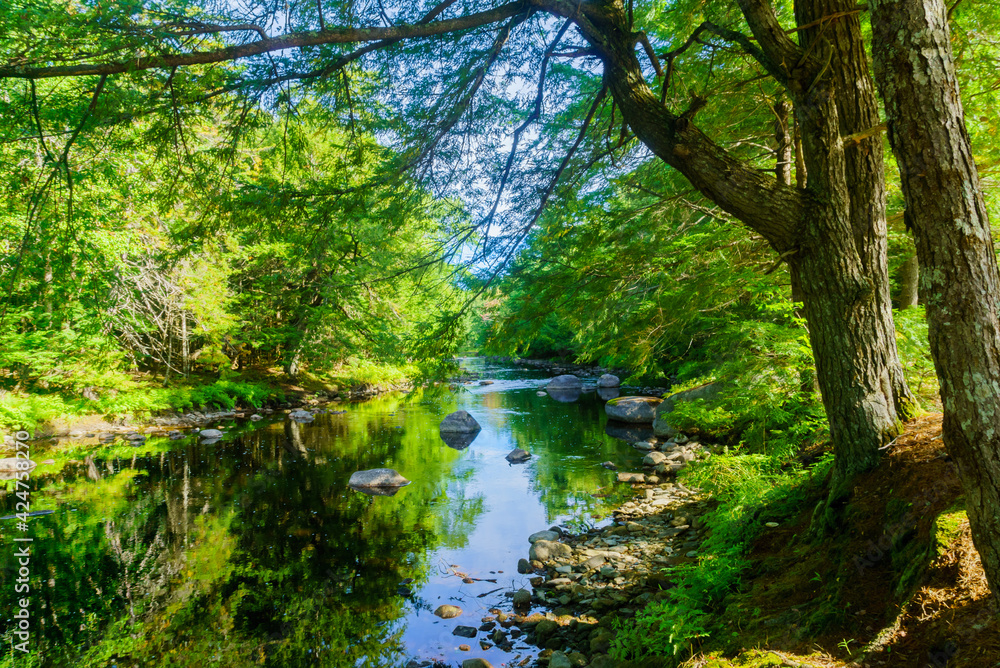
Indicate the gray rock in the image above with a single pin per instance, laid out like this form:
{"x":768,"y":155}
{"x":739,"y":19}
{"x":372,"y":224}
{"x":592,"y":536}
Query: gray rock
{"x":609,"y":465}
{"x":377,"y":478}
{"x":654,"y":458}
{"x":564,"y":382}
{"x":634,"y":410}
{"x":476,"y":663}
{"x":256,"y":417}
{"x":543,"y":535}
{"x":457,"y":440}
{"x":518,"y":455}
{"x":544,"y":550}
{"x":631,"y":477}
{"x":523,"y":566}
{"x":14,"y":464}
{"x":608,"y":380}
{"x":565,"y":395}
{"x":706,"y":392}
{"x":448,"y":611}
{"x":210,"y":433}
{"x":302,"y":416}
{"x":559,"y":660}
{"x":459,"y":422}
{"x":465,"y":631}
{"x":522,"y":597}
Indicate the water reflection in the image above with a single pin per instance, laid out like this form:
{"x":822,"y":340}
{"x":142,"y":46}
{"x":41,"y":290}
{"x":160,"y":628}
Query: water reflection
{"x":254,"y":550}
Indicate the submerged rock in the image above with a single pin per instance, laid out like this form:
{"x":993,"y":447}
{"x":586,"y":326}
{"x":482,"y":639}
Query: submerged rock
{"x":377,"y":478}
{"x":210,"y":433}
{"x":641,"y":410}
{"x":302,"y":416}
{"x":517,"y":455}
{"x":459,"y":422}
{"x":465,"y":631}
{"x":448,"y":611}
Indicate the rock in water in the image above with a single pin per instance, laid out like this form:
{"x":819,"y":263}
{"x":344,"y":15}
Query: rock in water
{"x":448,"y":611}
{"x":609,"y":465}
{"x":641,"y":410}
{"x":518,"y":455}
{"x":465,"y":631}
{"x":631,"y":477}
{"x":476,"y":663}
{"x":210,"y":433}
{"x":565,"y":382}
{"x":608,"y":393}
{"x":459,"y":422}
{"x":608,"y":380}
{"x":522,"y":597}
{"x":15,"y":465}
{"x":377,"y":478}
{"x":302,"y":416}
{"x":565,"y":395}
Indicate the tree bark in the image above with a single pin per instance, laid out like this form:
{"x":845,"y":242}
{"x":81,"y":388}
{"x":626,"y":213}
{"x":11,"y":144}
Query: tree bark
{"x":959,"y":279}
{"x":909,"y":276}
{"x":844,"y":298}
{"x":864,"y":163}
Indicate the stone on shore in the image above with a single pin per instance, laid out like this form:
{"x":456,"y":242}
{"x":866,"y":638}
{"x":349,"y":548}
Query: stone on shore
{"x":459,"y":422}
{"x":631,"y":477}
{"x":634,"y":410}
{"x":543,"y":535}
{"x":544,"y":550}
{"x":654,"y":458}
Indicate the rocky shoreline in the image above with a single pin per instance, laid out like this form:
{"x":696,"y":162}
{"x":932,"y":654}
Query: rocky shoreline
{"x":583,"y":582}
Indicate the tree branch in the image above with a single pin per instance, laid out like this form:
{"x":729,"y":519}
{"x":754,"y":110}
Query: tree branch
{"x":288,"y":41}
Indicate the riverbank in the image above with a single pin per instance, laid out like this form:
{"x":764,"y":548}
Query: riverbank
{"x":684,"y":576}
{"x":143,"y":401}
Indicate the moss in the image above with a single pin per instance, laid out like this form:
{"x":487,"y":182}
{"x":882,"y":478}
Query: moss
{"x":948,"y":526}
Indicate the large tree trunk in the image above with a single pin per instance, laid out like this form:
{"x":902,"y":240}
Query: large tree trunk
{"x":864,"y":165}
{"x":959,"y":279}
{"x":834,"y":243}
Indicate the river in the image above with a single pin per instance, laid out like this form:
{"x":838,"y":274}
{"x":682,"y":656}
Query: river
{"x":253,"y":550}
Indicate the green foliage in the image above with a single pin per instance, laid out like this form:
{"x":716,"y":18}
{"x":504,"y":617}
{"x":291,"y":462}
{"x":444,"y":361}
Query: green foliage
{"x":751,"y":489}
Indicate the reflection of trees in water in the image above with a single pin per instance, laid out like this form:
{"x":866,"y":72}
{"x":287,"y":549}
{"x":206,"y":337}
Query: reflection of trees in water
{"x":246,"y":550}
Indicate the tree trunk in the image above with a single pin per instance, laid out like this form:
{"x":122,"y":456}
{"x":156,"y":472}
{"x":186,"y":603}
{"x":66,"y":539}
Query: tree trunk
{"x":909,"y":277}
{"x":834,"y":244}
{"x":864,"y":164}
{"x":959,"y":279}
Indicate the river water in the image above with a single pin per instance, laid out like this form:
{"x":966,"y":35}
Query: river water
{"x":253,"y":550}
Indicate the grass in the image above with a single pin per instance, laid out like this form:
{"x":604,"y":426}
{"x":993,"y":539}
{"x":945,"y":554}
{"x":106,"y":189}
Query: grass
{"x":29,"y":411}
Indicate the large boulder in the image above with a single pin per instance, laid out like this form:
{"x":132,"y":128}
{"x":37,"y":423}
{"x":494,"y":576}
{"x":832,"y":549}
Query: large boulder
{"x":634,"y":410}
{"x":459,"y":422}
{"x":565,"y":382}
{"x":377,"y":478}
{"x":608,"y":380}
{"x":661,"y":423}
